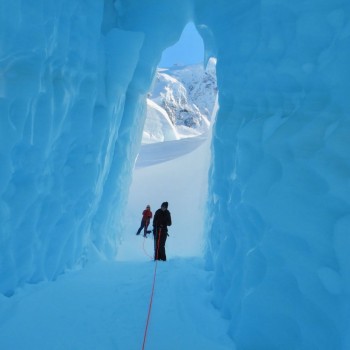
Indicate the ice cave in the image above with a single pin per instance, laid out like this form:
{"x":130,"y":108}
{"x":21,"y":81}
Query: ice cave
{"x":74,"y":76}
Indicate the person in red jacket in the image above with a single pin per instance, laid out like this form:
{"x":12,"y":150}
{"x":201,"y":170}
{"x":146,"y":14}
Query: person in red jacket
{"x":146,"y":217}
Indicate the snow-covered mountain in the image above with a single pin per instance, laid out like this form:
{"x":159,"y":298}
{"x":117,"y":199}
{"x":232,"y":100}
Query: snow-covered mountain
{"x":181,"y":102}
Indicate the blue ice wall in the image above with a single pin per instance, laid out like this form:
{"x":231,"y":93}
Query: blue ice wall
{"x":279,"y":201}
{"x":73,"y":81}
{"x":62,"y":97}
{"x":74,"y":76}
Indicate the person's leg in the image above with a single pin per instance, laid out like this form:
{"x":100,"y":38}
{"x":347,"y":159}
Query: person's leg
{"x":155,"y":241}
{"x":163,"y":237}
{"x":140,"y":228}
{"x":156,"y":244}
{"x":145,"y":229}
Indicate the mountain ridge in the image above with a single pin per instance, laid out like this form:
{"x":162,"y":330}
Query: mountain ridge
{"x":180,"y":103}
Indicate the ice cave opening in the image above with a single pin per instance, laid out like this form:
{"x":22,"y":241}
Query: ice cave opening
{"x":174,"y":155}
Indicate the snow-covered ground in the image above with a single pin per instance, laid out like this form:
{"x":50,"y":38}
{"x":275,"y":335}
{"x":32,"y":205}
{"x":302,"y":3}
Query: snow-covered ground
{"x":105,"y":305}
{"x":176,"y":172}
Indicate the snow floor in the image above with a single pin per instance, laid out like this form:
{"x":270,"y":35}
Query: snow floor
{"x":105,"y":305}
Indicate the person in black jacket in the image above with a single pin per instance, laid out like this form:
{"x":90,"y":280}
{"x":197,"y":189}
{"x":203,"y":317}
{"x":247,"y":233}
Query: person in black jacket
{"x":161,"y":221}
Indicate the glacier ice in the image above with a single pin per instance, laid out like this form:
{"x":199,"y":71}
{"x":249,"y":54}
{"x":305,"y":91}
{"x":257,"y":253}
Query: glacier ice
{"x":73,"y":86}
{"x":278,"y":197}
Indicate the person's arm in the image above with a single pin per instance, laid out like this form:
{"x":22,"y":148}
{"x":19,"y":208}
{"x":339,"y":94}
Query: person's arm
{"x":155,"y":219}
{"x":169,"y":219}
{"x":154,"y":223}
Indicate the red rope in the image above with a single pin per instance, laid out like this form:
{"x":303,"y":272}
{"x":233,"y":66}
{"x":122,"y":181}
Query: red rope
{"x":159,"y":232}
{"x":152,"y":293}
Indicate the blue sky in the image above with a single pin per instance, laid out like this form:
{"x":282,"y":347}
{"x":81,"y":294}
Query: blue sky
{"x":188,"y":50}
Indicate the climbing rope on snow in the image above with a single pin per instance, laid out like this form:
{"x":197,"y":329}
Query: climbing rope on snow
{"x":152,"y":293}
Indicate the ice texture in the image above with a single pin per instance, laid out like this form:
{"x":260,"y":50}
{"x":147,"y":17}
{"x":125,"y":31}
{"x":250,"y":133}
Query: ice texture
{"x":279,"y":179}
{"x":73,"y":86}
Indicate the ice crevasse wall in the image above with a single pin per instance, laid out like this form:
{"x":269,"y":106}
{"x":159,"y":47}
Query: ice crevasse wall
{"x":74,"y":77}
